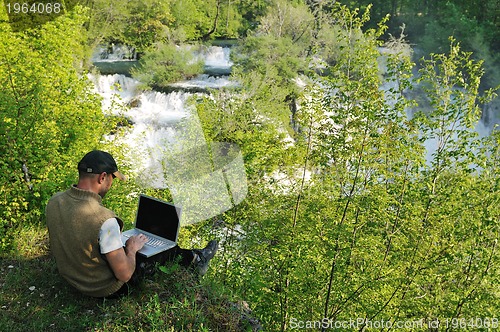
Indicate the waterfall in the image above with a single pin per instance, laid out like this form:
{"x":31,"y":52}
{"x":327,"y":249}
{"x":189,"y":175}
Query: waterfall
{"x":217,"y":60}
{"x":114,"y":52}
{"x":122,"y":96}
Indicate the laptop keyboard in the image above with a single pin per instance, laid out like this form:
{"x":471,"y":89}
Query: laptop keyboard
{"x":155,"y":243}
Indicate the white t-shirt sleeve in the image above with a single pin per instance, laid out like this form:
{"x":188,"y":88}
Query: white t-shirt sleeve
{"x":110,"y":237}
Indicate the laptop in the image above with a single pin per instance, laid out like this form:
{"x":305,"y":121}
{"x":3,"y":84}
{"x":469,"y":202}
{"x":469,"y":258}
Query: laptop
{"x":159,"y":221}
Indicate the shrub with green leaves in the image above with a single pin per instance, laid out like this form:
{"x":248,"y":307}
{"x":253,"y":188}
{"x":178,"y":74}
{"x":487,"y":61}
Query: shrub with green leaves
{"x":49,"y":117}
{"x":165,"y":64}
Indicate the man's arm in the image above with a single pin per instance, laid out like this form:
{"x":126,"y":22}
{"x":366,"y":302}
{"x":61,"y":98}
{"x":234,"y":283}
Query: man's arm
{"x":122,"y":260}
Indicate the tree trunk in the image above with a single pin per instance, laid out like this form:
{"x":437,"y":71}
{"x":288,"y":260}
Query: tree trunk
{"x":214,"y":27}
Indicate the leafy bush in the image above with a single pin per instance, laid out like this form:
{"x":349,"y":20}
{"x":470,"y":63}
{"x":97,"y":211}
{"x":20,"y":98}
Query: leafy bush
{"x":166,"y":63}
{"x":49,"y":117}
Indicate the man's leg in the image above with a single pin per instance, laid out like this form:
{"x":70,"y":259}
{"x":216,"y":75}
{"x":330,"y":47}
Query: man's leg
{"x":196,"y":258}
{"x":185,"y":257}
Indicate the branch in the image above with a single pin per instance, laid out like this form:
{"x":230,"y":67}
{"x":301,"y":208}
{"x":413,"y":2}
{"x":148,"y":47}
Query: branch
{"x":214,"y":27}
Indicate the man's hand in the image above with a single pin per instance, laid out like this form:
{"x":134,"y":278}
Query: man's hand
{"x":136,"y":242}
{"x":122,"y":261}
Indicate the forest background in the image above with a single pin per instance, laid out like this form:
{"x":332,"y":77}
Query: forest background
{"x":347,"y":216}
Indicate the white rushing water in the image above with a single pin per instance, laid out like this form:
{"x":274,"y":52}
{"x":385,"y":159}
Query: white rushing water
{"x":113,"y":53}
{"x":216,"y":57}
{"x":122,"y":96}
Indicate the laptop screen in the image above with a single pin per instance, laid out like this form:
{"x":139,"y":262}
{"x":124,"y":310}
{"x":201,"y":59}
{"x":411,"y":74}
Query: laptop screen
{"x":158,"y":217}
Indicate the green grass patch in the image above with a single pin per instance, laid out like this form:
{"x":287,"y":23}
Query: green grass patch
{"x":34,"y":297}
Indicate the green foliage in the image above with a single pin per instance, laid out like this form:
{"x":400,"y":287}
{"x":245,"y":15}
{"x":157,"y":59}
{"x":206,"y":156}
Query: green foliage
{"x":143,"y":23}
{"x":193,"y":18}
{"x":279,"y":46}
{"x":267,"y":66}
{"x":49,"y":117}
{"x":147,"y":23}
{"x":473,"y":23}
{"x":453,"y":96}
{"x":290,"y":19}
{"x":346,"y":218}
{"x":198,"y":19}
{"x":437,"y":31}
{"x":32,"y":14}
{"x":167,"y":63}
{"x":134,"y":23}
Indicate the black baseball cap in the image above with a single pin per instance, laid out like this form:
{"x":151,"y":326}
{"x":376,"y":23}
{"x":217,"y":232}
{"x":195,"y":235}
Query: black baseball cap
{"x":97,"y":161}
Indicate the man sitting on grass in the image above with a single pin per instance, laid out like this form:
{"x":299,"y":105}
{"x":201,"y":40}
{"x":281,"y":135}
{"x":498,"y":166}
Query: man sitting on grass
{"x":85,"y":237}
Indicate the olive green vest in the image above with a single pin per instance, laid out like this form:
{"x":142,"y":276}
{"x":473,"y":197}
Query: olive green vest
{"x":74,"y":218}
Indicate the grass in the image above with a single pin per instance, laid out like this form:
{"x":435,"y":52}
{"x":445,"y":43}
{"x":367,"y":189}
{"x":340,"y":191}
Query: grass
{"x":34,"y":297}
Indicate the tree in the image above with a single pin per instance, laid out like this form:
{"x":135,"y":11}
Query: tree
{"x":149,"y":22}
{"x":139,"y":23}
{"x":49,"y":116}
{"x":165,"y":64}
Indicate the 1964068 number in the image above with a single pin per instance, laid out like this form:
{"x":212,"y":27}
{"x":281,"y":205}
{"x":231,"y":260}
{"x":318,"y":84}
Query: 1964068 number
{"x":34,"y":8}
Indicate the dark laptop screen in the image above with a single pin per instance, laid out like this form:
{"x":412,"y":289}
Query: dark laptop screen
{"x":158,"y":217}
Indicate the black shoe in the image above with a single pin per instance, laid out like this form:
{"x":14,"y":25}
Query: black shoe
{"x":203,"y":256}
